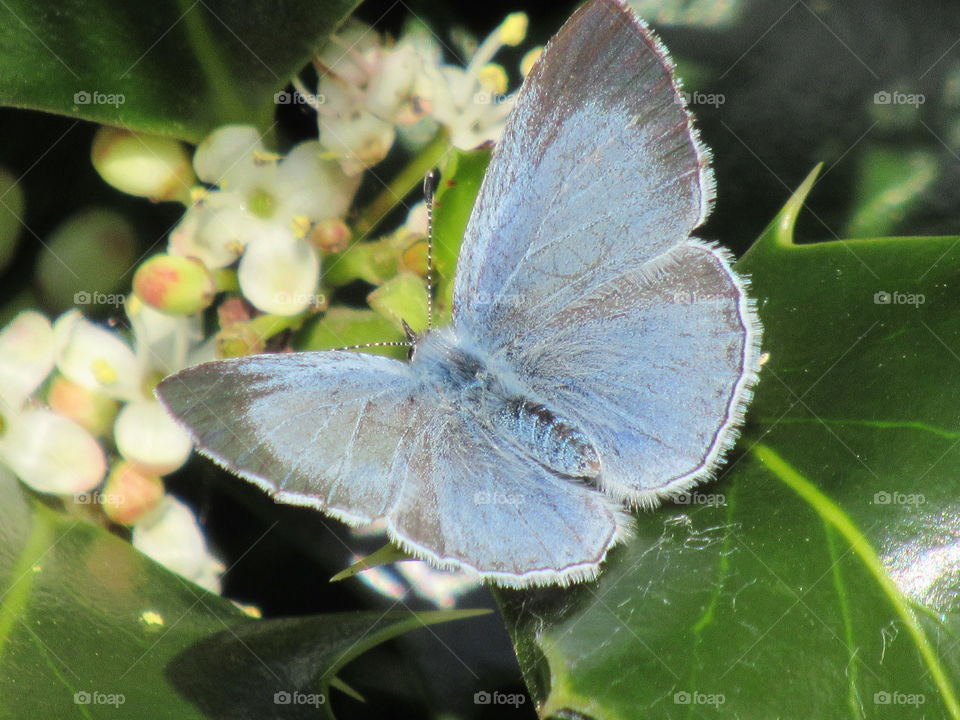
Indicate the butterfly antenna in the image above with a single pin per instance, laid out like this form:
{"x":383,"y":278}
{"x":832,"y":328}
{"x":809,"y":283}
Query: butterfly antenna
{"x":362,"y":346}
{"x":429,"y":188}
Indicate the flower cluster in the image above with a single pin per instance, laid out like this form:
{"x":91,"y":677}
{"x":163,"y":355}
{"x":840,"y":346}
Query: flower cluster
{"x":264,"y":239}
{"x":371,"y":88}
{"x":78,"y":409}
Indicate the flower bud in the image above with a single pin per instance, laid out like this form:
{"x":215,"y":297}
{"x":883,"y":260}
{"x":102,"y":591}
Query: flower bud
{"x":130,"y":493}
{"x":150,"y":166}
{"x":330,"y":236}
{"x":174,"y":284}
{"x":98,"y":246}
{"x":149,"y":438}
{"x":92,"y":410}
{"x":239,"y":339}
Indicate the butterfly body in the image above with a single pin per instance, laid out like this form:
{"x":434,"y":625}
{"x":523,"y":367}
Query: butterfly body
{"x":488,"y":393}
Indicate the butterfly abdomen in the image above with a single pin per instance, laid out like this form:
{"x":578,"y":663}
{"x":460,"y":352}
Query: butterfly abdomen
{"x":548,"y":438}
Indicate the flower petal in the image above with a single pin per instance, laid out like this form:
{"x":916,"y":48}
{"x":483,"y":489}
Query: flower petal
{"x":96,"y":358}
{"x":163,"y":341}
{"x":51,"y":453}
{"x":309,"y":185}
{"x":279,"y":273}
{"x":149,"y":438}
{"x":171,"y":536}
{"x":226,"y":153}
{"x":26,"y":358}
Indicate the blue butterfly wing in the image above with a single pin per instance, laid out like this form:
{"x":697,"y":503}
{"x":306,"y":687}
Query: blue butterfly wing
{"x":327,"y":430}
{"x":598,"y":166}
{"x":472,"y":501}
{"x":578,"y":274}
{"x":360,"y":438}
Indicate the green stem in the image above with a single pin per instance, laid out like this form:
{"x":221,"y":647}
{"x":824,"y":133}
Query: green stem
{"x":225,"y":280}
{"x":266,"y":326}
{"x":401,"y":185}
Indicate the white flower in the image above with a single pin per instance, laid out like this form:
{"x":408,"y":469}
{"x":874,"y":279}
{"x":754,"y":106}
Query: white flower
{"x":99,"y":360}
{"x":472,"y":102}
{"x":49,"y":452}
{"x":368,"y":86}
{"x":170,"y":535}
{"x":262,"y":211}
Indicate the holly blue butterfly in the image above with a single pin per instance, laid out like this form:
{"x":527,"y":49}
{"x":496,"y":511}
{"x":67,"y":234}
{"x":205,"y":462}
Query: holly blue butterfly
{"x":599,"y":357}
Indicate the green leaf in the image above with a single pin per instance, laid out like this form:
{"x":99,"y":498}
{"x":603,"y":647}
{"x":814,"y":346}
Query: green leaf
{"x":91,"y":628}
{"x":891,"y":183}
{"x":341,"y":327}
{"x":819,"y":576}
{"x":178,"y":68}
{"x":460,"y":179}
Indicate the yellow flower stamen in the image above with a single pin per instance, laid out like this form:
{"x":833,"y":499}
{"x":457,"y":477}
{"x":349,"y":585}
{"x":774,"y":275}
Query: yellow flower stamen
{"x":514,"y":29}
{"x":104,"y":372}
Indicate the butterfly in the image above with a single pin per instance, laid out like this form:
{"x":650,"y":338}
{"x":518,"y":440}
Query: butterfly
{"x":599,"y":358}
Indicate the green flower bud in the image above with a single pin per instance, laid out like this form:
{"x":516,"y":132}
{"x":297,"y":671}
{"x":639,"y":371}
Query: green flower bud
{"x":150,"y":166}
